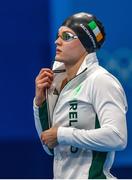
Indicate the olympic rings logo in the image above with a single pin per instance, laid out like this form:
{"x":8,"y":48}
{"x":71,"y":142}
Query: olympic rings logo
{"x":118,"y":63}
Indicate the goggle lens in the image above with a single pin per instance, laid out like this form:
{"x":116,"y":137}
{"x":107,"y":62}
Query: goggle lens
{"x":67,"y":36}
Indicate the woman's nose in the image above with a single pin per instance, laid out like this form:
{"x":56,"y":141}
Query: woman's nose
{"x":58,"y":41}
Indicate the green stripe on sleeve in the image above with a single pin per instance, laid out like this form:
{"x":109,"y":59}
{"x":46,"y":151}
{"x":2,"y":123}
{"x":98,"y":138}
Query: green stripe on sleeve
{"x":43,"y":115}
{"x":96,"y":169}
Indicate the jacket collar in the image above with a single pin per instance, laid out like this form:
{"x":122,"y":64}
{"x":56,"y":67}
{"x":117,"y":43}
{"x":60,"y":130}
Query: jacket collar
{"x":88,"y":61}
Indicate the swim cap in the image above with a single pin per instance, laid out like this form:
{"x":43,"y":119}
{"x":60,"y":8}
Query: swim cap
{"x":88,"y":28}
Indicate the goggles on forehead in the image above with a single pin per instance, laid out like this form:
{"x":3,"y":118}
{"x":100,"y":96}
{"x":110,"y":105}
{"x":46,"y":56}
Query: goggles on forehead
{"x":67,"y":36}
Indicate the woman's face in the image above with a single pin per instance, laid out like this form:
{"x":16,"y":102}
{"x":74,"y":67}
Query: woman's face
{"x":68,"y":47}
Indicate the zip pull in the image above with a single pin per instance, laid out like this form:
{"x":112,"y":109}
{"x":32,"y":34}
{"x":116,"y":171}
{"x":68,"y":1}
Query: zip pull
{"x":59,"y":71}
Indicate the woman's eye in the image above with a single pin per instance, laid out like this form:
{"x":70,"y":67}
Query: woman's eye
{"x":66,"y":36}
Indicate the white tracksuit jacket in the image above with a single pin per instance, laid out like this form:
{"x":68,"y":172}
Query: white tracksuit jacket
{"x":90,"y":112}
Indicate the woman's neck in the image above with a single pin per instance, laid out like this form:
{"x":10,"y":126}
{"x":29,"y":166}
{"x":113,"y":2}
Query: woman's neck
{"x":72,"y":69}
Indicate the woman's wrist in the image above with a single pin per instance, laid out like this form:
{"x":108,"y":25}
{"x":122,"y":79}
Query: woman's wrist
{"x":39,"y":101}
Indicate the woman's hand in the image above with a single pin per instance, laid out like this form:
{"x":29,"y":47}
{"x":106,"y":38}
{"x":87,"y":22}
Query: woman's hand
{"x":42,"y":82}
{"x":49,"y":137}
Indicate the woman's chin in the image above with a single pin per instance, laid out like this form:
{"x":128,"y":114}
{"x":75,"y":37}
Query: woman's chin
{"x":57,"y":58}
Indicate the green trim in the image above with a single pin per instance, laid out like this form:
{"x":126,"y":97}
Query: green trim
{"x":96,"y":169}
{"x":43,"y":116}
{"x":97,"y":124}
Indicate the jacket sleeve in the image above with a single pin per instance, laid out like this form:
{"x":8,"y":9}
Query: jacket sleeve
{"x":41,"y":122}
{"x":110,"y":105}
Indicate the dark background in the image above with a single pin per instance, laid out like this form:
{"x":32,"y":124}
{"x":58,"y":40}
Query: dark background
{"x":27,"y":32}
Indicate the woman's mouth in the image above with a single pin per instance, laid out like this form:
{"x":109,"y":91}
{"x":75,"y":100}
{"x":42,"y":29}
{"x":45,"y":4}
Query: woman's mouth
{"x":58,"y":51}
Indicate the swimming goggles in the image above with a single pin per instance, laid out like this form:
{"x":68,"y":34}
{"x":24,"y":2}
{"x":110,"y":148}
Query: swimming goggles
{"x":67,"y":36}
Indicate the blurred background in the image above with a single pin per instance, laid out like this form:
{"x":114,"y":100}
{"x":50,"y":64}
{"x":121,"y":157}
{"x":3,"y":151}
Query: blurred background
{"x":27,"y":32}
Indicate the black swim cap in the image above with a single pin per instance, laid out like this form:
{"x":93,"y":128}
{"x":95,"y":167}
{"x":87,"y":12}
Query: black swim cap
{"x":88,"y":28}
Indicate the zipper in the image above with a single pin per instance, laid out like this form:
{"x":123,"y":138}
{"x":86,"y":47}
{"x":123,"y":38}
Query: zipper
{"x":48,"y":109}
{"x":73,"y":79}
{"x":47,"y":100}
